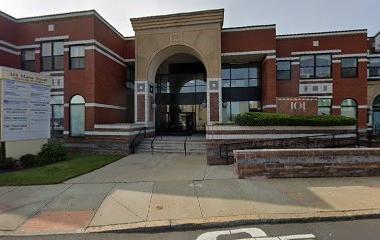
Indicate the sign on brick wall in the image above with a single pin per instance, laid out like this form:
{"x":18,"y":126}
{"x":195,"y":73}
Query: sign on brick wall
{"x":297,"y":105}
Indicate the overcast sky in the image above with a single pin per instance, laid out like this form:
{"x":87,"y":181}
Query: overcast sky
{"x":291,"y":16}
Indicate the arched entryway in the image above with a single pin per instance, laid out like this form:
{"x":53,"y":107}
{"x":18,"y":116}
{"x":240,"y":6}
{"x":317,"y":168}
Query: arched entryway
{"x":376,"y":115}
{"x":181,"y":95}
{"x":162,"y":38}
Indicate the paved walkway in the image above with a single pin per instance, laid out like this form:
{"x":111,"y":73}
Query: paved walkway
{"x":165,"y":190}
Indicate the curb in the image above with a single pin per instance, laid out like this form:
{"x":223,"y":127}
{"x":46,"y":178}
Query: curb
{"x":233,"y":221}
{"x":217,"y":222}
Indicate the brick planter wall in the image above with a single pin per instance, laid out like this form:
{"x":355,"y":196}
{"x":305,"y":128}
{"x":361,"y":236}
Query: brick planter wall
{"x":218,"y":135}
{"x":107,"y":138}
{"x":294,"y":163}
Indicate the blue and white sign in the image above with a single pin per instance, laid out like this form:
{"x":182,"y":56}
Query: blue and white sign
{"x":25,"y":109}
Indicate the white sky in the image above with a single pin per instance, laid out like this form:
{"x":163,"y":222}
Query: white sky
{"x":291,"y":16}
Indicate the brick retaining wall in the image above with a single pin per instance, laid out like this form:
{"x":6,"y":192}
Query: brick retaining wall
{"x":219,"y":135}
{"x":294,"y":163}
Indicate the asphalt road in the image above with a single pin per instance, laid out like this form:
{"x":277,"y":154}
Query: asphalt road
{"x":344,"y":230}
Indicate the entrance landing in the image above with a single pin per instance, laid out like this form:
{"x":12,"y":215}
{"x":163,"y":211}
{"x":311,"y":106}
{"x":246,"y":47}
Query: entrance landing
{"x":145,"y":167}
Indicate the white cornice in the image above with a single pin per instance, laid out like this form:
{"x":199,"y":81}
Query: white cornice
{"x":321,"y":34}
{"x":249,"y":28}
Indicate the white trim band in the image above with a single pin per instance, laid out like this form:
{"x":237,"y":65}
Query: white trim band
{"x":100,"y":105}
{"x":248,"y":53}
{"x":317,"y":52}
{"x":41,"y":39}
{"x":269,"y":106}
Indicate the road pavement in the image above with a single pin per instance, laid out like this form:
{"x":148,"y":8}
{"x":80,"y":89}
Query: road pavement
{"x":342,"y":230}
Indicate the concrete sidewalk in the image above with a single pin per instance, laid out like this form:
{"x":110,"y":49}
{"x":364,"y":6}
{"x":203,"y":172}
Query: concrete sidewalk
{"x":218,"y":201}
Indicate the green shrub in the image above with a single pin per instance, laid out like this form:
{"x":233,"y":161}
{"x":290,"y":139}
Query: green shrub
{"x":29,"y":160}
{"x":52,"y":152}
{"x":275,"y":119}
{"x":8,"y":163}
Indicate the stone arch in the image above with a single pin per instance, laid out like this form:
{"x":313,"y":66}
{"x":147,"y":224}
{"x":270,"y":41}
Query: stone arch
{"x":164,"y":53}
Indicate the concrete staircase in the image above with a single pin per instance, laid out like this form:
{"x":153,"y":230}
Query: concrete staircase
{"x":174,"y":144}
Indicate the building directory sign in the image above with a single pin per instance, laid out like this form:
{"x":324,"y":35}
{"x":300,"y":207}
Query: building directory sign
{"x":25,"y":105}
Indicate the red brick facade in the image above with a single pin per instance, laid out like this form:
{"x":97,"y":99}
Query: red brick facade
{"x":102,"y":82}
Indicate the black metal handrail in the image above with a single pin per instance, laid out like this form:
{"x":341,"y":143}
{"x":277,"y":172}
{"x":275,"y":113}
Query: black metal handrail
{"x":132,"y":145}
{"x":281,"y":142}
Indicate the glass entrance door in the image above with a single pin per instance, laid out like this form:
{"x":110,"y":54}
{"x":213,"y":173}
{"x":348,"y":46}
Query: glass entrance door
{"x":181,"y":103}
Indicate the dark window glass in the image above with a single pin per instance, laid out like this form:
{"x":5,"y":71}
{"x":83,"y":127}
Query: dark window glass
{"x":307,"y":72}
{"x":28,"y":60}
{"x":226,"y":72}
{"x":374,"y":67}
{"x":349,"y":67}
{"x":315,"y":66}
{"x":324,"y":106}
{"x":231,"y":109}
{"x":241,"y":75}
{"x":307,"y":61}
{"x":239,"y":71}
{"x":77,"y":57}
{"x":52,"y":56}
{"x":284,"y":70}
{"x":47,"y":63}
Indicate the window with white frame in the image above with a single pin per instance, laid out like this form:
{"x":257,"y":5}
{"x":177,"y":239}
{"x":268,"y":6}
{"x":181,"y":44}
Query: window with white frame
{"x":28,"y":58}
{"x":315,"y":66}
{"x":77,"y":57}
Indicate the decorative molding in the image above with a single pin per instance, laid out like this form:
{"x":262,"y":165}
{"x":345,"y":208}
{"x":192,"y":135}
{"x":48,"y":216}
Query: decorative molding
{"x":315,"y":88}
{"x":180,"y":19}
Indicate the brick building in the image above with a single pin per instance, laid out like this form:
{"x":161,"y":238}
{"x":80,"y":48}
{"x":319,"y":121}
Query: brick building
{"x":184,"y":71}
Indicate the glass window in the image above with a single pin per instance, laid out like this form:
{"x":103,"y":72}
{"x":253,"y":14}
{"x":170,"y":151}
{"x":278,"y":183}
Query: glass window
{"x":323,"y":66}
{"x":28,"y":60}
{"x":226,"y":72}
{"x":324,"y":106}
{"x":52,"y":56}
{"x":231,"y":109}
{"x":349,"y":67}
{"x":58,"y":48}
{"x":46,"y":49}
{"x":374,"y":67}
{"x":77,"y":116}
{"x":284,"y":70}
{"x":348,"y":108}
{"x":241,"y":75}
{"x":77,"y":57}
{"x":315,"y":66}
{"x":239,"y":71}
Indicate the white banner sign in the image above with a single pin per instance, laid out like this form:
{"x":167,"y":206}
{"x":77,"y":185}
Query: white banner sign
{"x":25,"y":111}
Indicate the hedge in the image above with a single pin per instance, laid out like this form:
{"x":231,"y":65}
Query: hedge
{"x":275,"y":119}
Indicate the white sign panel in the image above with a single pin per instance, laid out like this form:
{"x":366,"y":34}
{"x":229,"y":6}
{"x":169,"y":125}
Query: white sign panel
{"x":25,"y":108}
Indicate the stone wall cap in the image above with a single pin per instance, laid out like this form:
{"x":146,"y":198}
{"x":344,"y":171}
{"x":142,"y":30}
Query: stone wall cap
{"x":305,"y":150}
